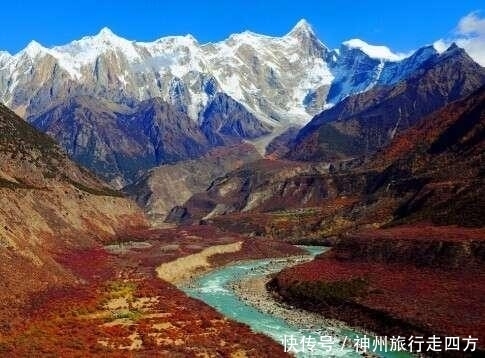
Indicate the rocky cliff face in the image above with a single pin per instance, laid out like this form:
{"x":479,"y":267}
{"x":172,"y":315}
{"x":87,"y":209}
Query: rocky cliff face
{"x":48,"y":205}
{"x":225,"y":120}
{"x":363,"y":123}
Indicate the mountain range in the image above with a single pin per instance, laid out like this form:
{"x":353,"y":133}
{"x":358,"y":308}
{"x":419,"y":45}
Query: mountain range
{"x":256,"y":70}
{"x":97,"y":95}
{"x":121,"y":108}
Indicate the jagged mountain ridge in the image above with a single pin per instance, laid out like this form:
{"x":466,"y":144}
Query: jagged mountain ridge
{"x":367,"y":121}
{"x":119,"y":143}
{"x":244,"y":87}
{"x":278,"y":79}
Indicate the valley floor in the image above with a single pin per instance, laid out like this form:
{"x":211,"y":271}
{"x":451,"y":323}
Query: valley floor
{"x":122,"y":309}
{"x":406,"y":281}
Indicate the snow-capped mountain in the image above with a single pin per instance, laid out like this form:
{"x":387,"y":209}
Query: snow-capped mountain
{"x":368,"y":121}
{"x":120,"y":107}
{"x":281,"y":80}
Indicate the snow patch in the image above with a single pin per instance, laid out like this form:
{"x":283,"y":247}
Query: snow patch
{"x":302,"y":27}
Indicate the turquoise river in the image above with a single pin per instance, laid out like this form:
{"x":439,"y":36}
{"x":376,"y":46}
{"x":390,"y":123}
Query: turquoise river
{"x":215,"y":290}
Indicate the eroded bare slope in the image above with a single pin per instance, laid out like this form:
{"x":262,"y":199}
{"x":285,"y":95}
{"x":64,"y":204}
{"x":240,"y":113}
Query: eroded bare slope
{"x":48,"y":205}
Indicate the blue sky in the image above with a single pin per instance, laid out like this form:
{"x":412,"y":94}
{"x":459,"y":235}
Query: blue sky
{"x":402,"y":26}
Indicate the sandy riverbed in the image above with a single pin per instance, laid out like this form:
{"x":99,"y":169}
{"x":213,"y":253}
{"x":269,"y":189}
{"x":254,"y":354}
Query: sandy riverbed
{"x":186,"y":268}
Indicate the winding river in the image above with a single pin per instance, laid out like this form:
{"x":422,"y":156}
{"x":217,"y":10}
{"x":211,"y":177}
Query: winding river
{"x":215,"y":289}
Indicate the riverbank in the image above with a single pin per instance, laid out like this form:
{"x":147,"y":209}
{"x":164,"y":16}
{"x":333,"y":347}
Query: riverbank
{"x":413,"y":281}
{"x":184,"y":271}
{"x":253,"y":291}
{"x":238,"y":292}
{"x":187,"y":267}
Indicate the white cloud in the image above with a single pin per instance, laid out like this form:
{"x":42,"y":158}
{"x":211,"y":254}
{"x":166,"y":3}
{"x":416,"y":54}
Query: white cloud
{"x":470,"y":35}
{"x":471,"y":25}
{"x":441,"y":45}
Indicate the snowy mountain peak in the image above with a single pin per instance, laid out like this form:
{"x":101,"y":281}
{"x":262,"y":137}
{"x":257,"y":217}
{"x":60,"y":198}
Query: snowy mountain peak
{"x":105,"y":35}
{"x":443,"y":47}
{"x":440,"y":46}
{"x":84,"y":51}
{"x":33,"y":49}
{"x":4,"y":55}
{"x":302,"y":27}
{"x":106,"y":32}
{"x":191,"y":38}
{"x":453,"y":47}
{"x":376,"y":52}
{"x":245,"y":36}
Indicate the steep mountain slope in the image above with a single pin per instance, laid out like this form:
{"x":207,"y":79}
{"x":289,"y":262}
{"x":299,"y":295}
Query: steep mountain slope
{"x":169,"y":186}
{"x":365,"y":122}
{"x":90,"y":132}
{"x":279,"y":146}
{"x":432,"y":172}
{"x":360,"y":66}
{"x":438,"y":166}
{"x":118,"y":142}
{"x":47,"y":206}
{"x":171,"y":133}
{"x":225,"y":120}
